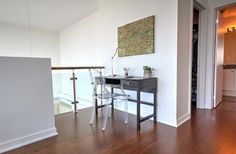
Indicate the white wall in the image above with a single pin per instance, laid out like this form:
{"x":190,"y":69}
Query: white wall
{"x":26,"y":112}
{"x":227,"y":22}
{"x":184,"y":61}
{"x":79,"y":43}
{"x":210,"y":48}
{"x":93,"y":40}
{"x":15,"y":41}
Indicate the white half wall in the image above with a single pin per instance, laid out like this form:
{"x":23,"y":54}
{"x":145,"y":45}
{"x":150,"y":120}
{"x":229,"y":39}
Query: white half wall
{"x":16,"y":41}
{"x":93,"y":41}
{"x":26,"y":99}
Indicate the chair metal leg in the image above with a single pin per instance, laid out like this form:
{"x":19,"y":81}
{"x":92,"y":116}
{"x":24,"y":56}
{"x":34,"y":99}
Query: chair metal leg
{"x":109,"y":111}
{"x":94,"y":110}
{"x":106,"y":115}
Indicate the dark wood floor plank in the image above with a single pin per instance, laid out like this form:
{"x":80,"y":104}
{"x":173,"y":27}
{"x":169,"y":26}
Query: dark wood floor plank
{"x":208,"y":132}
{"x":229,"y":98}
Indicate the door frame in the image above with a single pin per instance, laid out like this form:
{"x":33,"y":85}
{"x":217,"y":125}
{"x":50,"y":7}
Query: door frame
{"x":215,"y":44}
{"x":216,"y":16}
{"x":202,"y":35}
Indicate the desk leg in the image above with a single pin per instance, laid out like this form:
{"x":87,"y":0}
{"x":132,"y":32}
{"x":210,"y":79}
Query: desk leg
{"x":112,"y":100}
{"x":96,"y":106}
{"x":155,"y":105}
{"x":138,"y":110}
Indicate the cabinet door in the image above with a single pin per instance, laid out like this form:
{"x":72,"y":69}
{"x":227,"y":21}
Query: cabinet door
{"x":228,"y":79}
{"x":226,"y":49}
{"x":230,"y":48}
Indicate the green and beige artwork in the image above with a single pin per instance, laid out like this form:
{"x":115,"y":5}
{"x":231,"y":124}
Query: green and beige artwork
{"x":136,"y":38}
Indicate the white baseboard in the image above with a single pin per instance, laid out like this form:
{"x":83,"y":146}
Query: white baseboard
{"x":229,"y":93}
{"x":167,"y":121}
{"x":173,"y":122}
{"x":183,"y":119}
{"x":28,"y":139}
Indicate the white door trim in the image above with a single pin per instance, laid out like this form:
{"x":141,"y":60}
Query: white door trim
{"x":190,"y":59}
{"x":201,"y":55}
{"x":215,"y":58}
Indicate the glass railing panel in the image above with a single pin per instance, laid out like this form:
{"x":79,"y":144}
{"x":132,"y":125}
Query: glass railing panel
{"x":83,"y":89}
{"x":66,"y":91}
{"x":62,"y":91}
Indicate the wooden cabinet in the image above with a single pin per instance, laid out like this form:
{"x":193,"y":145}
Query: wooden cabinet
{"x":230,"y":48}
{"x":229,"y":79}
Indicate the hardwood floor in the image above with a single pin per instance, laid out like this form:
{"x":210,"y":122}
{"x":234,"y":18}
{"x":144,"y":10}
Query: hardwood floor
{"x":229,"y":98}
{"x":208,"y":132}
{"x":227,"y":106}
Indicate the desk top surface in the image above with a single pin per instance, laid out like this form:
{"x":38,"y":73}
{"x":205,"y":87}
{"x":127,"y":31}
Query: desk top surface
{"x":128,"y":78}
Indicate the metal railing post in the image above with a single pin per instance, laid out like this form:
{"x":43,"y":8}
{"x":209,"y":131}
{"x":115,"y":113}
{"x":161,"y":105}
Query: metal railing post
{"x":74,"y":91}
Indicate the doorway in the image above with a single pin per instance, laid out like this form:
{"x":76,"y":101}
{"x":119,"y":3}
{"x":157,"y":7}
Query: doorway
{"x":195,"y":34}
{"x":225,"y":55}
{"x":198,"y":56}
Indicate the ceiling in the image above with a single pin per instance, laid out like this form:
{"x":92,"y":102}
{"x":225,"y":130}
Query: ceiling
{"x":53,"y":15}
{"x":229,"y":11}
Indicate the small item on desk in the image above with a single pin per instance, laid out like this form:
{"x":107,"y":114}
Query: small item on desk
{"x":147,"y":71}
{"x":126,"y":69}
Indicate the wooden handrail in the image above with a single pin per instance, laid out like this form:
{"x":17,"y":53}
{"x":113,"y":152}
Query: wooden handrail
{"x":78,"y":67}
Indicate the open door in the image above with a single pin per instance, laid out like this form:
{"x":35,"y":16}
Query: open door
{"x":219,"y":59}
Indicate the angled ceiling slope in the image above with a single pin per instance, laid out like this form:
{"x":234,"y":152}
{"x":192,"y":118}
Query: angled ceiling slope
{"x":52,"y":15}
{"x":229,"y":11}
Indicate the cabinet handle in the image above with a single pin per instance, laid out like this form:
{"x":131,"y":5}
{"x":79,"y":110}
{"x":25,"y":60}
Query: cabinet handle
{"x":128,"y":83}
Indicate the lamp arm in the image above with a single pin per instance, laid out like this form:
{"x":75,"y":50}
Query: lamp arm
{"x":117,"y":49}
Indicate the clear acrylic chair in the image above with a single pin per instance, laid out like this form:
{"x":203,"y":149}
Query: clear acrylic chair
{"x":100,"y":92}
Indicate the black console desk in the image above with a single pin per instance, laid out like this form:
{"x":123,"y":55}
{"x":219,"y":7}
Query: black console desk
{"x":138,"y":84}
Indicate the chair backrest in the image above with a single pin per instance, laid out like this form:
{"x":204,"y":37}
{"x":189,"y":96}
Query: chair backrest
{"x":96,"y":82}
{"x":99,"y":80}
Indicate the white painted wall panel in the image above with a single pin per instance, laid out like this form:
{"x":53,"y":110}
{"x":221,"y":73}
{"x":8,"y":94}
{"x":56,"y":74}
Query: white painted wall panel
{"x":184,"y":56}
{"x":16,"y":41}
{"x":26,"y":101}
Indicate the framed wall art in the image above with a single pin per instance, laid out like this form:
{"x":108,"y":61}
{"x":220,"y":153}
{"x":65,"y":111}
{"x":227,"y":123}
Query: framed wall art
{"x":136,"y":38}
